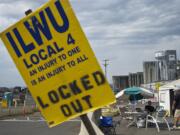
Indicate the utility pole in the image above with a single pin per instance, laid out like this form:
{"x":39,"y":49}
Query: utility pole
{"x":105,"y":66}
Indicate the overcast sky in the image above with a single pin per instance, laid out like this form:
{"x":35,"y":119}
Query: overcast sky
{"x":127,"y":32}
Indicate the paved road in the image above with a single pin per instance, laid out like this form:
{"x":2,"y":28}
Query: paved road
{"x":124,"y":130}
{"x":142,"y":131}
{"x":35,"y":125}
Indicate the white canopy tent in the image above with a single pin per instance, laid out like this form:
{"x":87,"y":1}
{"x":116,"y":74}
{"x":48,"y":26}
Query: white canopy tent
{"x":175,"y":85}
{"x":166,"y":94}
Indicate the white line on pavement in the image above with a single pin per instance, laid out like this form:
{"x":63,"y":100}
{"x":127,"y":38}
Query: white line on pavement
{"x":28,"y":120}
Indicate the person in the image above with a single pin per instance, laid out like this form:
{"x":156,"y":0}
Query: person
{"x":149,"y":108}
{"x":176,"y":108}
{"x":133,"y":102}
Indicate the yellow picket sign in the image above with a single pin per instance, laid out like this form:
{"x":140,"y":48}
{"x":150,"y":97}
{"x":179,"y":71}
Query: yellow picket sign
{"x":55,"y":59}
{"x":4,"y":103}
{"x":157,"y":85}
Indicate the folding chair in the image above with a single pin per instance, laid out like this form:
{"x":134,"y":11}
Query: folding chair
{"x":107,"y":125}
{"x":160,"y":117}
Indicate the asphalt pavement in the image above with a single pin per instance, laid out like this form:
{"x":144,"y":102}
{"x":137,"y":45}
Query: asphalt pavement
{"x":133,"y":130}
{"x":35,"y":125}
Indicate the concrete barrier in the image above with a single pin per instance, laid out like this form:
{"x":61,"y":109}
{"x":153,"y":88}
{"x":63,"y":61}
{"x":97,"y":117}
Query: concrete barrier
{"x":15,"y":111}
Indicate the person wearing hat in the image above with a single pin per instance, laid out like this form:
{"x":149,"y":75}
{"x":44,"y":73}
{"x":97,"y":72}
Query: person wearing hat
{"x":176,"y":107}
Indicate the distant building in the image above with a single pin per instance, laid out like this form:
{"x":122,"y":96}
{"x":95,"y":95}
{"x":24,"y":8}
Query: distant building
{"x":136,"y":79}
{"x":178,"y":70}
{"x":164,"y":69}
{"x":150,"y":71}
{"x":120,"y":82}
{"x":167,"y":64}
